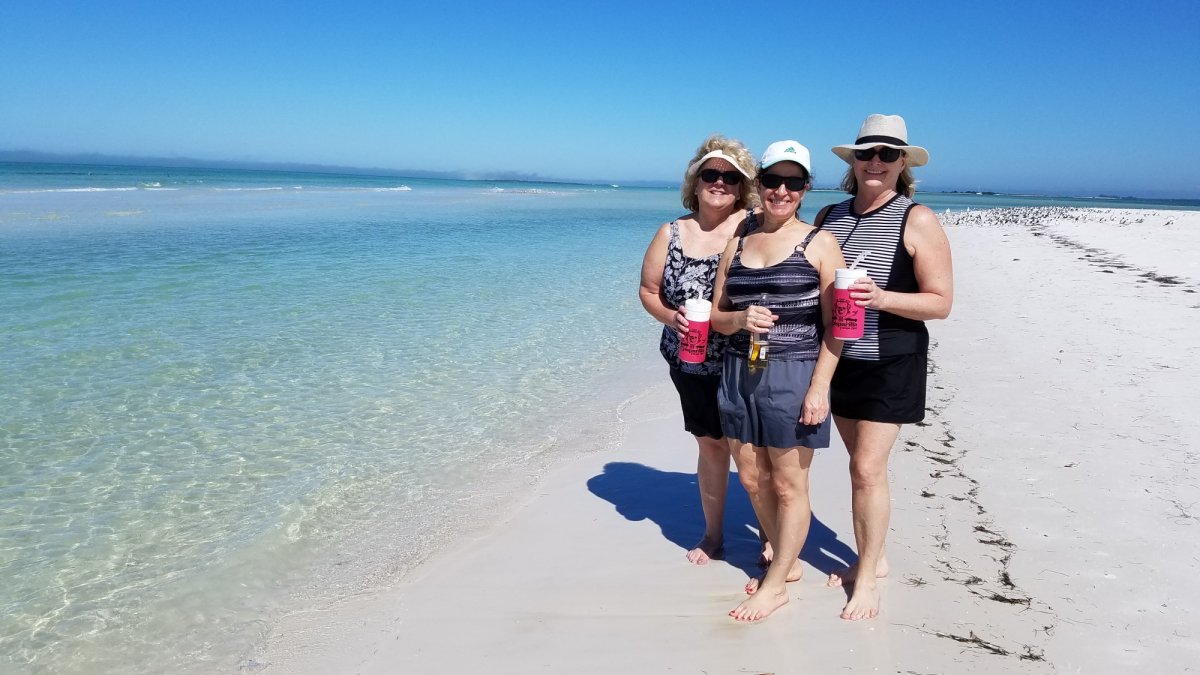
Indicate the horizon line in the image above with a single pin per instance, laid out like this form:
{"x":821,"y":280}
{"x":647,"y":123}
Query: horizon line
{"x":151,"y":161}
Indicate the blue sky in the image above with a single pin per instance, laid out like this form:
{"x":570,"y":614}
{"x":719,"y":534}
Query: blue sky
{"x":1052,"y":97}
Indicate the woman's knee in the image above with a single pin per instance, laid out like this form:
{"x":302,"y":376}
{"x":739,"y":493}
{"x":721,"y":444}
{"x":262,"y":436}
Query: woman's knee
{"x":754,"y":481}
{"x":868,"y":472}
{"x":711,"y":448}
{"x":789,"y":489}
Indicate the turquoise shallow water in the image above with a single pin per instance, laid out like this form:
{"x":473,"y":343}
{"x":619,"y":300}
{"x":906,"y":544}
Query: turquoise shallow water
{"x":214,"y":401}
{"x":231,"y":394}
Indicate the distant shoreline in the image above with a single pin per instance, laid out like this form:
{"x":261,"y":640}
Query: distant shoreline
{"x":97,"y":159}
{"x":92,"y":159}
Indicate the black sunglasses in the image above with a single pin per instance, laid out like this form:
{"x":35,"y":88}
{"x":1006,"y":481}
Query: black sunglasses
{"x":772,"y":181}
{"x":711,"y":176}
{"x":886,"y":155}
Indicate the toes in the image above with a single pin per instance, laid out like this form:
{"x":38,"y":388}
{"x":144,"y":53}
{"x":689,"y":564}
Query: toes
{"x":745,"y":615}
{"x":854,"y":611}
{"x":698,"y":556}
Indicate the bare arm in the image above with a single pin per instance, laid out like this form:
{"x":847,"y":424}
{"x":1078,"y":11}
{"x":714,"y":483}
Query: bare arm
{"x":926,"y":241}
{"x":722,"y":318}
{"x":650,"y":288}
{"x":828,"y":258}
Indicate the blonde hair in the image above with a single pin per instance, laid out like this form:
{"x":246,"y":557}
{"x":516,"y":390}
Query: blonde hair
{"x":905,"y":183}
{"x":747,"y":195}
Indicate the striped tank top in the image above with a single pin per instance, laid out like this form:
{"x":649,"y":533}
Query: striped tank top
{"x":793,"y":292}
{"x":882,"y":233}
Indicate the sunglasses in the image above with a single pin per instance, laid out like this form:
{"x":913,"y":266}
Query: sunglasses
{"x":772,"y":181}
{"x":711,"y":176}
{"x":886,"y":155}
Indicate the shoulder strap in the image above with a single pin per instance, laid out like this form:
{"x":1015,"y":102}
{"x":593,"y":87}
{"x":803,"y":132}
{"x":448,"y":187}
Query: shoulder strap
{"x":751,"y":225}
{"x":673,"y":242}
{"x":807,"y":240}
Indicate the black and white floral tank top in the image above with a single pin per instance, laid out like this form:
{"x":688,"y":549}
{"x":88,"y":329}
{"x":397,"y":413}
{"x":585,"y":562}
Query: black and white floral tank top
{"x":684,"y":278}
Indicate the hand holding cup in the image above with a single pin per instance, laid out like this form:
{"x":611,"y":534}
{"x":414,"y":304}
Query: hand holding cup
{"x":866,"y":293}
{"x":693,"y":343}
{"x":681,"y":323}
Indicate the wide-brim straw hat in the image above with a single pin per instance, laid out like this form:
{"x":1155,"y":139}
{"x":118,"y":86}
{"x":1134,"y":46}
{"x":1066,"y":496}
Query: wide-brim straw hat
{"x":886,"y":130}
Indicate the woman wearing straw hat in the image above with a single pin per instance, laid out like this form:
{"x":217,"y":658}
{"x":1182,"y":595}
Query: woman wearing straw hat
{"x":880,"y":381}
{"x":777,"y":280}
{"x":681,"y":263}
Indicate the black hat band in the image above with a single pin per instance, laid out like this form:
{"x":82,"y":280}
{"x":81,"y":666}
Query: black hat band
{"x":890,"y":140}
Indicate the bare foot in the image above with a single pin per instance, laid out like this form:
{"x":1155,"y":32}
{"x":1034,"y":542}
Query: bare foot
{"x":849,"y":574}
{"x":864,"y":603}
{"x":793,"y":574}
{"x":768,"y":554}
{"x":708,"y":549}
{"x":759,"y":606}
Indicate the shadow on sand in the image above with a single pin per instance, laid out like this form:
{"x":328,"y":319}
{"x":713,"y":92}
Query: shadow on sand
{"x":672,"y":501}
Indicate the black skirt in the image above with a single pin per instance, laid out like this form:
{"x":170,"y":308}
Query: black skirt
{"x":889,"y":390}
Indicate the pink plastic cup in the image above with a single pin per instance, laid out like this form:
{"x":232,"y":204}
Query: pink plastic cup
{"x":693,"y":346}
{"x":848,"y":317}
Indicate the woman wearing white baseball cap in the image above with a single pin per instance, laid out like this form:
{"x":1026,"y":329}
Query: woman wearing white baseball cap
{"x":880,"y":380}
{"x":777,"y":280}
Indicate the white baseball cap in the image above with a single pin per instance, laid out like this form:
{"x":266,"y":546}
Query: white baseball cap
{"x":786,"y":151}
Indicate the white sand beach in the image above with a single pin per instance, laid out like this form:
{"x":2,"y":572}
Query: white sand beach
{"x":1046,"y":516}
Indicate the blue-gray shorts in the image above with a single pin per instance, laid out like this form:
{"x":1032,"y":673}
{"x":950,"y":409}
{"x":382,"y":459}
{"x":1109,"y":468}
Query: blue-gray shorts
{"x":763,"y":408}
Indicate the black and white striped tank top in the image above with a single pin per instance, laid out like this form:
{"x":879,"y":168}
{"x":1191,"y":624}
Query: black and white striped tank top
{"x":882,"y":233}
{"x":793,"y":291}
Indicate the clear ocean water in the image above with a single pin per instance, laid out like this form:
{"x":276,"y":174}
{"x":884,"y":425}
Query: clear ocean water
{"x":225,"y":395}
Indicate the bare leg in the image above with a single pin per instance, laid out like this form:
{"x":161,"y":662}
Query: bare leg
{"x":847,"y":575}
{"x":746,"y":460}
{"x":712,"y":474}
{"x":848,"y":430}
{"x":796,"y":574}
{"x":768,"y":553}
{"x":768,"y":509}
{"x":869,"y":444}
{"x":787,"y":528}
